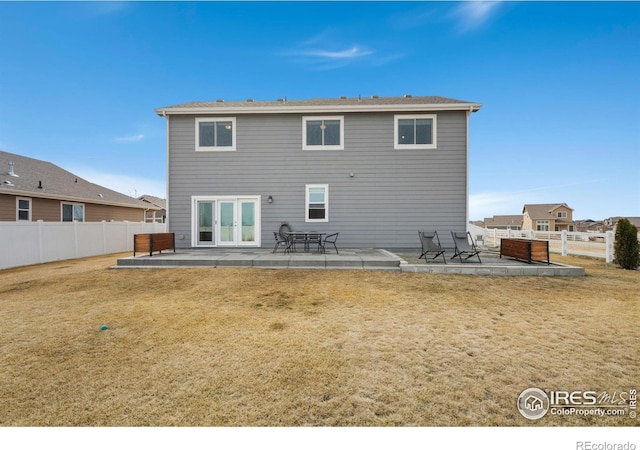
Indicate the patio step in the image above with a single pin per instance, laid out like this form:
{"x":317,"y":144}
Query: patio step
{"x":354,"y":259}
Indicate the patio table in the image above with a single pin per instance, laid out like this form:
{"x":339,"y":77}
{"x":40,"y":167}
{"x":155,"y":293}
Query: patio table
{"x":303,"y":236}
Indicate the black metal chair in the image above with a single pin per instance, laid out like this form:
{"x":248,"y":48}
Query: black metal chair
{"x":461,"y":241}
{"x":430,"y":243}
{"x":281,"y":240}
{"x":330,"y":239}
{"x":284,"y":228}
{"x":314,"y":239}
{"x":290,"y":237}
{"x":295,"y":238}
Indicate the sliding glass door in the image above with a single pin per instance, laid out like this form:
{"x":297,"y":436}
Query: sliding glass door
{"x":205,"y":233}
{"x":226,"y":221}
{"x":248,"y":222}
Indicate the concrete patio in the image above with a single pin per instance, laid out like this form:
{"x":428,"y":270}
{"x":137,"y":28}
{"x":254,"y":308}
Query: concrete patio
{"x":363,"y":259}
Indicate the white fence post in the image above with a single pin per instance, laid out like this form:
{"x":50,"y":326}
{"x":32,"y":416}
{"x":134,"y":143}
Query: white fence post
{"x":608,"y":243}
{"x":40,"y":242}
{"x":564,"y":242}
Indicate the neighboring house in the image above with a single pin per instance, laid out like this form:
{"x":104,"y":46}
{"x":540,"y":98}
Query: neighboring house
{"x":32,"y":190}
{"x":589,"y":226}
{"x":509,"y":222}
{"x":612,"y":222}
{"x":153,"y":215}
{"x":376,"y":170}
{"x":548,"y":217}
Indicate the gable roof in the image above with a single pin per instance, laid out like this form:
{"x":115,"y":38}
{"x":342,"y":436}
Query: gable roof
{"x":543,"y":211}
{"x":156,"y":201}
{"x":36,"y":178}
{"x":342,"y":104}
{"x":503,"y":221}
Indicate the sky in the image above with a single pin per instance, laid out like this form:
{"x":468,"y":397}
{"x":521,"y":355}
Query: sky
{"x":559,"y":83}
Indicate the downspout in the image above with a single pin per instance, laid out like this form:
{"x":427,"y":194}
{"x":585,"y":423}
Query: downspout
{"x":164,"y":114}
{"x":468,"y":113}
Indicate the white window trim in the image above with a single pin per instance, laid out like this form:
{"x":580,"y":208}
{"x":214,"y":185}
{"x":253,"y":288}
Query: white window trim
{"x":231,"y":148}
{"x":434,"y":132}
{"x":326,"y":202}
{"x":18,"y":208}
{"x":543,"y":223}
{"x":322,"y":147}
{"x":72,"y":204}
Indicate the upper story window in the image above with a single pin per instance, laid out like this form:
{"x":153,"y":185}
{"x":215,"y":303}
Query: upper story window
{"x":562,"y":214}
{"x":23,"y":209}
{"x":415,"y":131}
{"x":72,"y":212}
{"x":215,"y":134}
{"x":323,"y":133}
{"x":317,"y":203}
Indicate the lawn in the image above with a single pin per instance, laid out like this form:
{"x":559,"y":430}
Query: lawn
{"x":260,"y":347}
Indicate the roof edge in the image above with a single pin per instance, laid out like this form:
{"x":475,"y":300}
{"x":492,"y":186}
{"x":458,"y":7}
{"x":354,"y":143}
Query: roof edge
{"x":290,"y":109}
{"x":23,"y":193}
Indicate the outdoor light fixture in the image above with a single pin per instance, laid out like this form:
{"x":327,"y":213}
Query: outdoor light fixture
{"x":351,"y":174}
{"x":270,"y":199}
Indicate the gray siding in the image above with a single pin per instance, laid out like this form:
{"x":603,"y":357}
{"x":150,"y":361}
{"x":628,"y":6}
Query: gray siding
{"x":393,"y":194}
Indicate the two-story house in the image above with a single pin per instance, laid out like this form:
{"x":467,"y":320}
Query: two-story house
{"x":376,"y":169}
{"x":548,"y":217}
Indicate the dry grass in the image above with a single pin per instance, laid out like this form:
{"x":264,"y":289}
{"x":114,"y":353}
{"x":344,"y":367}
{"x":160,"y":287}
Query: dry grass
{"x":222,"y":347}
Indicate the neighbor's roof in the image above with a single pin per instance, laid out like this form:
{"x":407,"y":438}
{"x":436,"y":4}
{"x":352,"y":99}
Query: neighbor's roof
{"x":56,"y":183}
{"x":342,"y":104}
{"x":156,"y":201}
{"x":543,"y":211}
{"x":503,"y":221}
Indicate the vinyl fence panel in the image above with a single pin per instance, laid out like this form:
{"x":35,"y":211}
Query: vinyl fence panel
{"x":39,"y":242}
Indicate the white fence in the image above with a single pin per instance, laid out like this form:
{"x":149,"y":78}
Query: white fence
{"x":39,"y":242}
{"x":595,"y":245}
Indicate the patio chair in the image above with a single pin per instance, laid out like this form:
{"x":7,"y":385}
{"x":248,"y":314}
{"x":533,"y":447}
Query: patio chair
{"x":330,"y":239}
{"x":284,"y":228}
{"x":281,"y":240}
{"x":314,"y":239}
{"x":430,"y":243}
{"x":461,"y":241}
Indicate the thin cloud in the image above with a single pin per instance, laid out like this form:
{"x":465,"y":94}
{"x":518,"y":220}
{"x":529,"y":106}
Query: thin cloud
{"x":321,"y":53}
{"x":129,"y":139}
{"x":329,"y":58}
{"x":472,"y":15}
{"x":349,"y":53}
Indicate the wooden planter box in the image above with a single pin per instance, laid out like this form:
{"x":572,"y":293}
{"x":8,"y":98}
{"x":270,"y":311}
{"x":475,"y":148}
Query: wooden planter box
{"x":525,"y":250}
{"x":153,"y":242}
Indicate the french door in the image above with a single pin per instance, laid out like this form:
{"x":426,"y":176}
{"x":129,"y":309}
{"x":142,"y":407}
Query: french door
{"x":226,"y":221}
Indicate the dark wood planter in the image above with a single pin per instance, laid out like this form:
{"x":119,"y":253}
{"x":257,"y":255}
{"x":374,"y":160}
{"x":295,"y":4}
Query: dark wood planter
{"x":153,"y":242}
{"x":525,"y":250}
